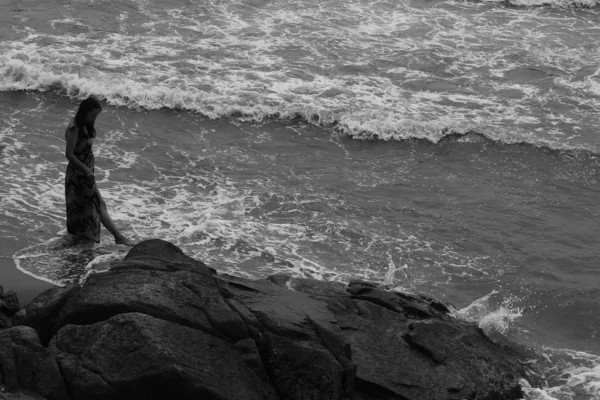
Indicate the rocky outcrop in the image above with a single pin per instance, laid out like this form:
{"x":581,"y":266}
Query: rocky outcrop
{"x":9,"y":305}
{"x":42,"y":313}
{"x":26,"y":364}
{"x":134,"y":355}
{"x":161,"y":325}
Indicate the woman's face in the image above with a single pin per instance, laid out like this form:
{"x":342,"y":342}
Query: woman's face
{"x":91,"y":116}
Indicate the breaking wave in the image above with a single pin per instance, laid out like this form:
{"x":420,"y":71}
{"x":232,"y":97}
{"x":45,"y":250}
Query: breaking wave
{"x":365,"y":124}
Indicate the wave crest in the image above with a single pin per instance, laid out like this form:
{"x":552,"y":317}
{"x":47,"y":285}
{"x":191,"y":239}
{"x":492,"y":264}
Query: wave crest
{"x":371,"y":121}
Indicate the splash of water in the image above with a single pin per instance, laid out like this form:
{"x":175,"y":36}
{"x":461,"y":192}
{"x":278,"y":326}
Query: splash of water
{"x":498,"y":318}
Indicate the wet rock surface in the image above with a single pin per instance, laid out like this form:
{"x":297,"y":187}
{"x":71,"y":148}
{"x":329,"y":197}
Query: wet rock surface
{"x":161,"y":325}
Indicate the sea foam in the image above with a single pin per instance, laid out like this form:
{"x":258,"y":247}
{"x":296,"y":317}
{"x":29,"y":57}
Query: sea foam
{"x":377,"y":71}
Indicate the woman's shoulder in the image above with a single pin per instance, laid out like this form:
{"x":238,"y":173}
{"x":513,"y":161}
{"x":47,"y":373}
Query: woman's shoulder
{"x":72,"y":129}
{"x":71,"y":126}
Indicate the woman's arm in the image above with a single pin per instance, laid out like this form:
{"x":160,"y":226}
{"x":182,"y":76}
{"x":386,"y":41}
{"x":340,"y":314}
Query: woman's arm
{"x":72,"y":137}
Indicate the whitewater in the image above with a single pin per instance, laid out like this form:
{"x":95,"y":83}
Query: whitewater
{"x":444,"y":147}
{"x":374,"y":69}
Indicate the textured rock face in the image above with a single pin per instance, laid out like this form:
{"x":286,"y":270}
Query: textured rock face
{"x":25,"y":363}
{"x":162,"y":325}
{"x":135,"y":355}
{"x":42,"y":313}
{"x":9,"y":305}
{"x":403,"y":346}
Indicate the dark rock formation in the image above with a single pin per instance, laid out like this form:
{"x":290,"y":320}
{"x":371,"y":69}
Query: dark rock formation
{"x":9,"y":305}
{"x":161,"y":325}
{"x":134,"y":355}
{"x":42,"y":313}
{"x":26,"y":364}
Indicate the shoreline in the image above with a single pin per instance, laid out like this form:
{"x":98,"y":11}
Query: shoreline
{"x":26,"y":286}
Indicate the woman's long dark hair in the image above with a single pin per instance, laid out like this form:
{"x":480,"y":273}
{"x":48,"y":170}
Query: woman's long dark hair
{"x":87,"y":105}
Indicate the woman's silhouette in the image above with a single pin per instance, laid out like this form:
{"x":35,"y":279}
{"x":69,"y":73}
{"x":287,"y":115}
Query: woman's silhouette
{"x":85,"y":207}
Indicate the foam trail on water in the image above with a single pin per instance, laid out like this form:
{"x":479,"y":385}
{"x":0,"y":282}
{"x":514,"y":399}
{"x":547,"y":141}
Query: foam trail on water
{"x":41,"y":276}
{"x":64,"y":260}
{"x":569,"y":375}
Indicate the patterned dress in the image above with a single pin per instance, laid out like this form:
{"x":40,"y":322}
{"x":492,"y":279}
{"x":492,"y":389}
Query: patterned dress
{"x":83,"y":201}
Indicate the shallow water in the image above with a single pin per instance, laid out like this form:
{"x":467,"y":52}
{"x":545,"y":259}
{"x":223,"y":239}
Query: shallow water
{"x":237,"y":131}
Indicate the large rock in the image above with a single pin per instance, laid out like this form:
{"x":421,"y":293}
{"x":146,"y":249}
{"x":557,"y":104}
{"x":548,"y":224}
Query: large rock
{"x":42,"y":312}
{"x":186,"y":298}
{"x":136,"y":356}
{"x":164,"y":255}
{"x":441,"y":358}
{"x":301,"y":346}
{"x":402,"y":346}
{"x":160,"y":325}
{"x":9,"y":303}
{"x":26,"y":364}
{"x":398,"y":357}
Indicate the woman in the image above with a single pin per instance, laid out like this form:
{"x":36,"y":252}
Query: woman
{"x":85,"y":207}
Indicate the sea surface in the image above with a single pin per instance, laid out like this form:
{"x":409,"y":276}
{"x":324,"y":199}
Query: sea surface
{"x":444,"y":147}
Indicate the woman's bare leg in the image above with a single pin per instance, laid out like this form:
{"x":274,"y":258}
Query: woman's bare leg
{"x":110,"y":225}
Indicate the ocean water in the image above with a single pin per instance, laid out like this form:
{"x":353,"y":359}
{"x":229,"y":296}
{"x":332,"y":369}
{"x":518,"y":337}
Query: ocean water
{"x":443,"y":147}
